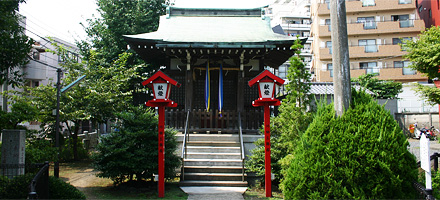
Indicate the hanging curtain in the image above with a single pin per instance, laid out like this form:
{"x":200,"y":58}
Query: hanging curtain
{"x":220,"y":90}
{"x":207,"y":88}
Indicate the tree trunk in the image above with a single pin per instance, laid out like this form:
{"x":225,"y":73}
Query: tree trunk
{"x":75,"y":141}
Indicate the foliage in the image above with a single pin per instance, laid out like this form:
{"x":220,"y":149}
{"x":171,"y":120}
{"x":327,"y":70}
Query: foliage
{"x":119,"y":18}
{"x":58,"y":189}
{"x":14,"y":44}
{"x":382,"y":89}
{"x":39,"y":151}
{"x":21,"y":111}
{"x":430,"y":93}
{"x":361,"y":154}
{"x":292,"y":119}
{"x":131,"y":151}
{"x":67,"y":153}
{"x":425,"y":52}
{"x":18,"y":188}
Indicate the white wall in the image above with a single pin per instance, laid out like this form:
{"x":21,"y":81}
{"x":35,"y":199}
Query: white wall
{"x":409,"y":101}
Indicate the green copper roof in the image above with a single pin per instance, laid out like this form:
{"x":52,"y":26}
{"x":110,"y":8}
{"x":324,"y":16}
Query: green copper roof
{"x":213,"y":29}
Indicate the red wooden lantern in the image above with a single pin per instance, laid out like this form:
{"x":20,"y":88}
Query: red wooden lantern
{"x":266,"y":87}
{"x":161,"y":85}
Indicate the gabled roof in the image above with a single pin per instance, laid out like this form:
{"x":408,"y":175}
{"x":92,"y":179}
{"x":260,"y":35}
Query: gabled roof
{"x":264,"y":75}
{"x":327,"y":88}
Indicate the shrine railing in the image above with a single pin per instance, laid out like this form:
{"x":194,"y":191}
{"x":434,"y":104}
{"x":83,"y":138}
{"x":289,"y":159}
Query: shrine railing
{"x":202,"y":121}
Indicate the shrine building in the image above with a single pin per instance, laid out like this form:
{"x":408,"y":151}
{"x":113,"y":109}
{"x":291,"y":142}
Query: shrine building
{"x":213,"y":53}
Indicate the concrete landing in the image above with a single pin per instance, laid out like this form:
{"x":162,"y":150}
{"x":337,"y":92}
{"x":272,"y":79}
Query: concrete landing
{"x":212,"y":193}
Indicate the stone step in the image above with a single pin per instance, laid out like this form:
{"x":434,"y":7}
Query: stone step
{"x":206,"y":155}
{"x":213,"y":162}
{"x":213,"y":169}
{"x":212,"y":149}
{"x":210,"y":137}
{"x":214,"y":183}
{"x":214,"y":143}
{"x":214,"y":176}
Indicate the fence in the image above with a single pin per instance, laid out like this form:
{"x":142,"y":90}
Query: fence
{"x":39,"y":187}
{"x":202,"y":121}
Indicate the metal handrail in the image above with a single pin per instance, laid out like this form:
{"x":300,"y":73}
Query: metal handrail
{"x":184,"y":149}
{"x":240,"y":131}
{"x":44,"y":175}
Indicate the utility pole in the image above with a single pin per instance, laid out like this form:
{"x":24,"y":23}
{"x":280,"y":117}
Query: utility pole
{"x":340,"y":56}
{"x":5,"y":89}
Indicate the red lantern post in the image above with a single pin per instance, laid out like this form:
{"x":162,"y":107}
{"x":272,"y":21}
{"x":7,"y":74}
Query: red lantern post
{"x":266,"y":87}
{"x":161,"y":85}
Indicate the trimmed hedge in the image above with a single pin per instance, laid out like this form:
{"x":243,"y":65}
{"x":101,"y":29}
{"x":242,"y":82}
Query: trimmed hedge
{"x":18,"y":188}
{"x":359,"y":155}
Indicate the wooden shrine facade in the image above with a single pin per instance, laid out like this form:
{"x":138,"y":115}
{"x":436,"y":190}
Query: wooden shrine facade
{"x":191,"y":41}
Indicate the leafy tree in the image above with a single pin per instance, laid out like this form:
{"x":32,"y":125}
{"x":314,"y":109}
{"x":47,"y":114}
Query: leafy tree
{"x":120,"y":18}
{"x":21,"y":111}
{"x":424,"y":53}
{"x":130,"y":152}
{"x":292,"y":119}
{"x":382,"y":89}
{"x":359,"y":155}
{"x":14,"y":44}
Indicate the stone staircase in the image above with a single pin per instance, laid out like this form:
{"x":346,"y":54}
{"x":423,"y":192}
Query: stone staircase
{"x":213,"y":160}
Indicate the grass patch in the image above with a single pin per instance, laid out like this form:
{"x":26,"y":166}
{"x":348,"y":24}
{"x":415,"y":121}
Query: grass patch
{"x":255,"y":193}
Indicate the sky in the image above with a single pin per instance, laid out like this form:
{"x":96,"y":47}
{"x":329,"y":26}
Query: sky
{"x":62,"y":18}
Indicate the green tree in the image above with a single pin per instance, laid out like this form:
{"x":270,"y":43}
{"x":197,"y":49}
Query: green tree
{"x":292,"y":119}
{"x":131,"y":151}
{"x":120,"y":18}
{"x":424,"y":53}
{"x":14,"y":44}
{"x":359,"y":155}
{"x":382,"y":89}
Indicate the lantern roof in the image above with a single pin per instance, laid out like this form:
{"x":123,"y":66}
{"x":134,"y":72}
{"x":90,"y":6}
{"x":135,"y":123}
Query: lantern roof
{"x":160,"y":77}
{"x":265,"y":76}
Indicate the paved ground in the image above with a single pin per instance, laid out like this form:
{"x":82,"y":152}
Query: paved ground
{"x":213,"y":193}
{"x":434,"y":146}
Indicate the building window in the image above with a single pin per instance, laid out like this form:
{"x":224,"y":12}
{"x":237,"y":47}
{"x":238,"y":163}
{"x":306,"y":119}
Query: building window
{"x":366,"y":3}
{"x":330,"y":69}
{"x":370,"y":67}
{"x":327,"y":22}
{"x":328,"y":45}
{"x":406,"y":70}
{"x":282,"y":71}
{"x":370,"y":45}
{"x":404,"y":20}
{"x":368,"y":22}
{"x":404,"y":1}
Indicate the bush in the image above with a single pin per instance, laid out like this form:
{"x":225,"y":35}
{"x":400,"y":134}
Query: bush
{"x":18,"y":188}
{"x":131,"y":152}
{"x":67,"y":150}
{"x":39,"y":151}
{"x":58,"y":189}
{"x":361,"y":154}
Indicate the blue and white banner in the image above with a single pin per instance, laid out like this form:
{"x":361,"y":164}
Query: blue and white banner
{"x":220,"y":90}
{"x":207,"y":88}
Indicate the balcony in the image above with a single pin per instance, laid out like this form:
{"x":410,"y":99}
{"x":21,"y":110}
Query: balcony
{"x":356,"y":6}
{"x":415,"y":26}
{"x":304,"y":27}
{"x":35,"y":71}
{"x":384,"y":74}
{"x":370,"y":51}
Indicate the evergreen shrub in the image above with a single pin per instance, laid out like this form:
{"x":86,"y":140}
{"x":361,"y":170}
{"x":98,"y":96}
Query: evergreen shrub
{"x":131,"y":151}
{"x":359,"y":155}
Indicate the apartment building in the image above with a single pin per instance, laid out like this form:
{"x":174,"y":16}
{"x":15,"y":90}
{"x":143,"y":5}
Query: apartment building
{"x":293,"y":16}
{"x":375,"y":29}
